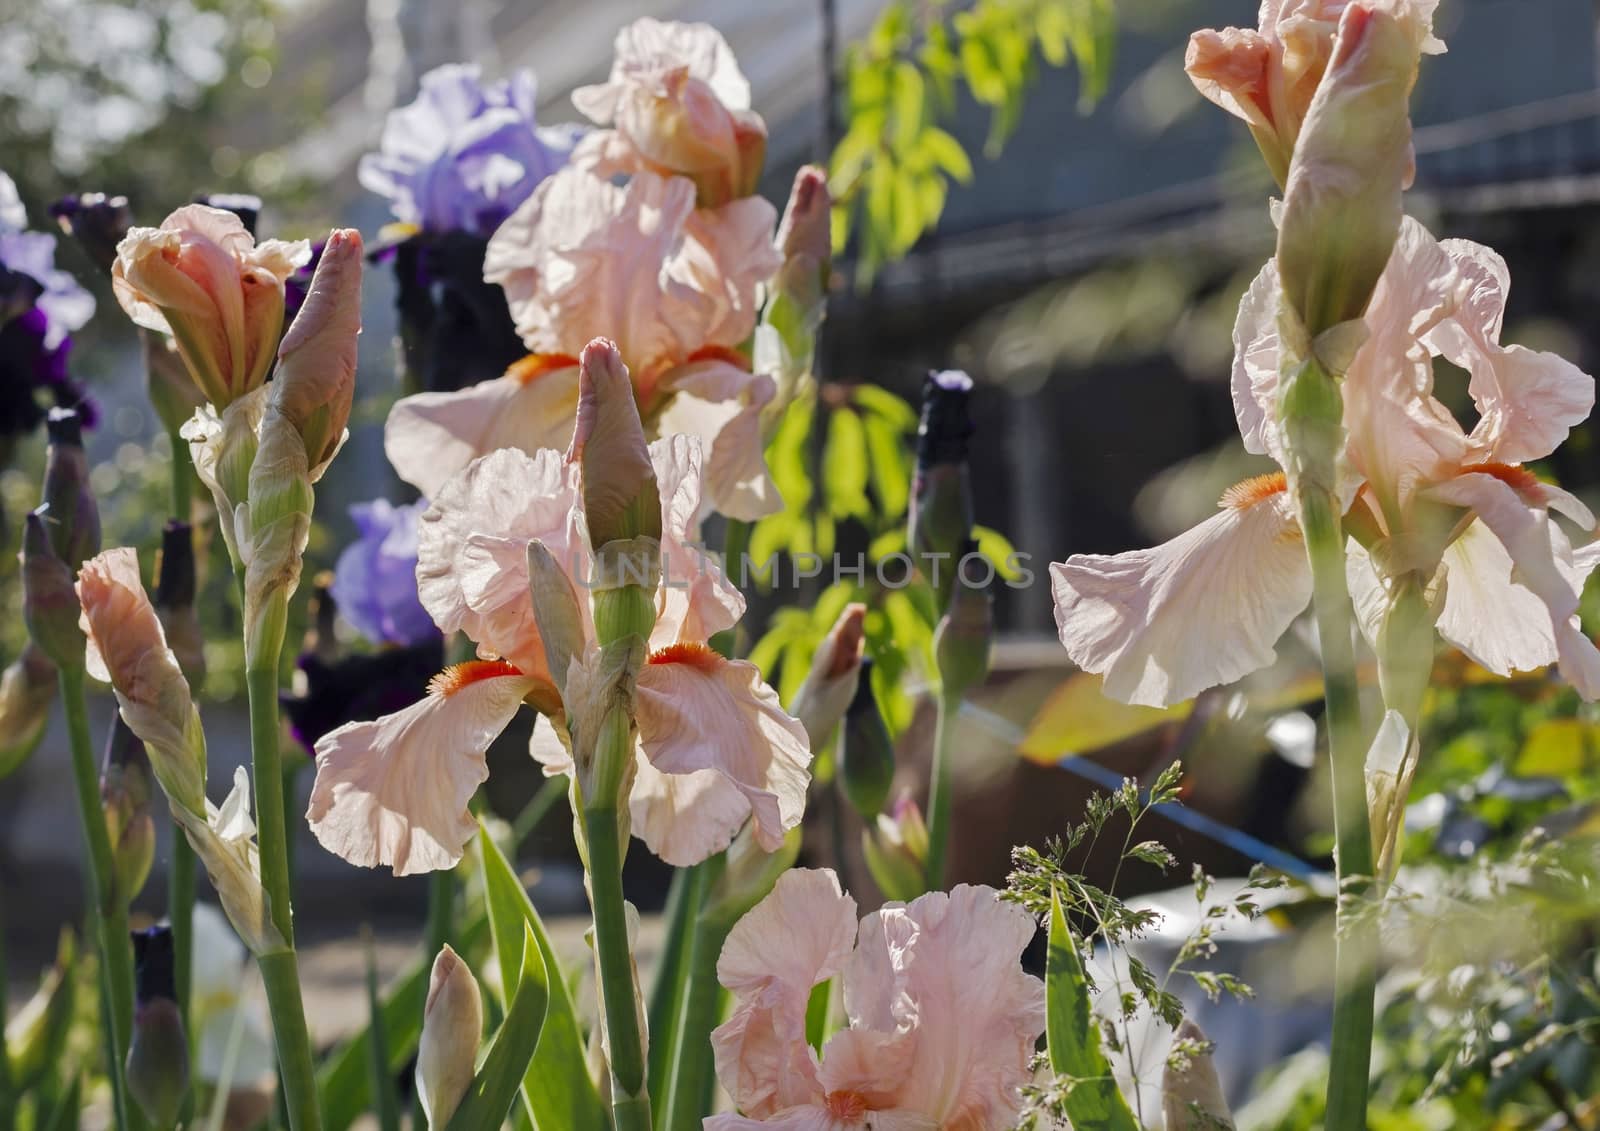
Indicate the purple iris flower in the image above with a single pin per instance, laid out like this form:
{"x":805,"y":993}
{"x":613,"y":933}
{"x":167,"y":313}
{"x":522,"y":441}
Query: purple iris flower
{"x":465,"y":154}
{"x":375,"y":579}
{"x":43,"y":305}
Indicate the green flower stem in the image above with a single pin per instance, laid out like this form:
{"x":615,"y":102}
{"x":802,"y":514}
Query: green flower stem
{"x":689,"y":1087}
{"x":181,"y":874}
{"x":665,"y":1007}
{"x":630,"y":1103}
{"x":939,"y":800}
{"x":109,"y":911}
{"x":279,"y":971}
{"x":1312,"y":411}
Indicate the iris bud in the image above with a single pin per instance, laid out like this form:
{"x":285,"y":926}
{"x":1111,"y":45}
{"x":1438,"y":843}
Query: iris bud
{"x":158,"y":1055}
{"x":866,"y":751}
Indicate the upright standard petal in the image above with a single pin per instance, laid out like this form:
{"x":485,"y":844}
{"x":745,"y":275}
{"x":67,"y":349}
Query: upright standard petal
{"x":696,"y":599}
{"x":697,"y":712}
{"x":721,"y":404}
{"x":472,"y":550}
{"x":394,"y":791}
{"x":1203,"y":609}
{"x":797,"y":937}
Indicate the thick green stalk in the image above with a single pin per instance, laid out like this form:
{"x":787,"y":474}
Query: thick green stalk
{"x":1312,"y":411}
{"x":630,"y":1103}
{"x":181,"y":875}
{"x":939,"y":799}
{"x":689,"y":1084}
{"x":279,"y":971}
{"x":665,"y":1009}
{"x":110,"y":911}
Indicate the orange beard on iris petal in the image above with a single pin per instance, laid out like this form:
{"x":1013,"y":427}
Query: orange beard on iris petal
{"x":846,"y":1105}
{"x":1242,"y":496}
{"x":536,"y":365}
{"x":457,"y":676}
{"x":1513,"y":475}
{"x":691,"y":654}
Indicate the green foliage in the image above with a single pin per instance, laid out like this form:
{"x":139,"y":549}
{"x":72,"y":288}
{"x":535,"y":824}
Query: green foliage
{"x":1093,"y":1099}
{"x":892,"y":169}
{"x":557,"y":1089}
{"x":1081,"y":917}
{"x":494,"y":1088}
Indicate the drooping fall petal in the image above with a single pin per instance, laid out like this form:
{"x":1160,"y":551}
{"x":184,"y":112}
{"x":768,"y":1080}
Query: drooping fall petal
{"x":431,"y":437}
{"x":394,"y":791}
{"x":1203,"y":609}
{"x":700,"y":712}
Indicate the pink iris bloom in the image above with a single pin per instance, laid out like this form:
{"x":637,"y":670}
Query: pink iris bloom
{"x":715,"y":747}
{"x":1427,"y":498}
{"x":942,"y":1020}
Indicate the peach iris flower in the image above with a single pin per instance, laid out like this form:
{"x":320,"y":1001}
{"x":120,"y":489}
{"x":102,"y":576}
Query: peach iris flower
{"x":1267,"y":75}
{"x":677,"y":104}
{"x":715,"y":747}
{"x":942,"y":1020}
{"x":1428,"y":498}
{"x":202,"y":278}
{"x":674,"y":286}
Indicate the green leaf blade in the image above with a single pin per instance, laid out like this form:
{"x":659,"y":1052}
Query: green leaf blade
{"x":557,"y":1088}
{"x":1074,"y":1038}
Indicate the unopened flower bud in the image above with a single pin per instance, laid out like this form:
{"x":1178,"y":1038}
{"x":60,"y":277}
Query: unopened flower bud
{"x":1341,"y":204}
{"x":95,"y":220}
{"x":865,"y":753}
{"x":315,"y":379}
{"x":158,"y":1055}
{"x":962,"y":640}
{"x":621,"y":500}
{"x":174,"y":599}
{"x":73,"y":519}
{"x":835,"y":674}
{"x":1191,"y":1093}
{"x":18,"y":293}
{"x":940,"y":517}
{"x":896,"y":851}
{"x":127,"y":790}
{"x":27,"y":688}
{"x":128,"y":650}
{"x":36,"y":1035}
{"x":49,"y":605}
{"x":786,"y":340}
{"x":452,"y":1023}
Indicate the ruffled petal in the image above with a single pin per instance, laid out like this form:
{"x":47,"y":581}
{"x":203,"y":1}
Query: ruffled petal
{"x":721,"y":404}
{"x":472,"y":547}
{"x":1541,"y":565}
{"x":696,"y":599}
{"x":699,"y":712}
{"x":1201,"y":610}
{"x":797,"y":937}
{"x":394,"y":791}
{"x":583,"y":258}
{"x":728,"y":253}
{"x":1255,"y":365}
{"x":1527,"y":400}
{"x":950,"y":966}
{"x":433,"y":436}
